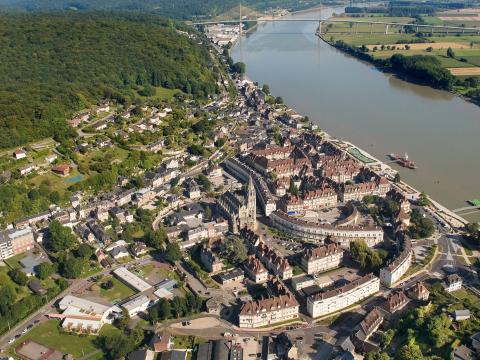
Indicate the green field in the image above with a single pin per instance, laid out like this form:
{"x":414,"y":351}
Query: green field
{"x":49,"y":334}
{"x":118,"y":292}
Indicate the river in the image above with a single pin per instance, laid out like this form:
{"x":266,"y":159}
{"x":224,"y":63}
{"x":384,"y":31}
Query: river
{"x":352,"y":100}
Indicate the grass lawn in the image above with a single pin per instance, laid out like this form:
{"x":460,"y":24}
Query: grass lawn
{"x":150,"y":270}
{"x":118,"y":292}
{"x":49,"y":334}
{"x":186,"y":342}
{"x":22,"y":291}
{"x":464,"y":294}
{"x":14,"y":261}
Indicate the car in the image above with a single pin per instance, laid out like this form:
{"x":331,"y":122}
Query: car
{"x":36,"y":321}
{"x":24,"y":331}
{"x":11,"y":340}
{"x":17,"y":336}
{"x":30,"y":326}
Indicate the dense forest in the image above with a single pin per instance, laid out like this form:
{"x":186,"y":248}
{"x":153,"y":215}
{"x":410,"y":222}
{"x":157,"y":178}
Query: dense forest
{"x":55,"y":64}
{"x":181,"y":9}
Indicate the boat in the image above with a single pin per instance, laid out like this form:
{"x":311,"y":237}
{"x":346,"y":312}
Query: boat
{"x":403,"y":161}
{"x":474,"y":202}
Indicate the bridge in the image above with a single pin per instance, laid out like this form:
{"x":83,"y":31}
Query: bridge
{"x":417,"y":27}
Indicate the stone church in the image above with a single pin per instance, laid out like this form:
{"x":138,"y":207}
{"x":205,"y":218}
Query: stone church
{"x":239,"y":208}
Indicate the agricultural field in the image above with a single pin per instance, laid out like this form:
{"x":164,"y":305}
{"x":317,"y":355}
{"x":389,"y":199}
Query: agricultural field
{"x":465,"y":62}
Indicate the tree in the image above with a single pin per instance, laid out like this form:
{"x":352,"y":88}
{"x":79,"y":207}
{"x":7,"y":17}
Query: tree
{"x":377,"y":356}
{"x":61,"y":237}
{"x":18,"y":277}
{"x":368,"y":259}
{"x":123,"y":321}
{"x":409,"y":352}
{"x":72,"y":268}
{"x":420,"y":226}
{"x":439,"y":331}
{"x":293,"y":188}
{"x":84,"y":251}
{"x":236,"y":249}
{"x":239,"y":68}
{"x":45,"y":270}
{"x":116,"y":345}
{"x":205,"y":182}
{"x":397,"y":178}
{"x":164,"y":309}
{"x":423,"y":199}
{"x":450,"y":53}
{"x":279,"y":100}
{"x":156,"y":239}
{"x":208,"y":213}
{"x":387,"y":338}
{"x":173,"y":253}
{"x":266,"y":89}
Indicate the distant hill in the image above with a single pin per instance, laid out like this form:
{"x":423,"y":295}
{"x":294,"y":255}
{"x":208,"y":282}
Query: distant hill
{"x":55,"y":64}
{"x":180,"y":9}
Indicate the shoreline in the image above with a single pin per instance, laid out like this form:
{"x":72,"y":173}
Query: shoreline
{"x":399,"y":75}
{"x":446,"y":214}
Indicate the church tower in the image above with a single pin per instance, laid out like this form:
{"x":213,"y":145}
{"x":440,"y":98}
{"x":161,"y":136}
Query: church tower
{"x":251,"y":204}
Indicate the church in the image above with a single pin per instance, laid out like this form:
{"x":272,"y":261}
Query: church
{"x":239,"y":208}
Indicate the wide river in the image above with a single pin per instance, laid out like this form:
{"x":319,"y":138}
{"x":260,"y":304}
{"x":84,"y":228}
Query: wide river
{"x":378,"y":112}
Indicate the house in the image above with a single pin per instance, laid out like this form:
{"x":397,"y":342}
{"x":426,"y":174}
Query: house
{"x":193,"y":190}
{"x":174,"y":355}
{"x":19,"y":154}
{"x":161,"y":341}
{"x":369,"y":324}
{"x":139,"y":249}
{"x":460,"y":315}
{"x":476,"y":341}
{"x":62,"y":169}
{"x":419,"y":292}
{"x":209,"y":260}
{"x":118,"y":250}
{"x":51,"y":158}
{"x":453,"y":282}
{"x":255,"y":270}
{"x":143,"y":354}
{"x":231,"y":276}
{"x":137,"y":305}
{"x":395,"y":301}
{"x":463,"y":353}
{"x":27,"y":169}
{"x":103,"y":107}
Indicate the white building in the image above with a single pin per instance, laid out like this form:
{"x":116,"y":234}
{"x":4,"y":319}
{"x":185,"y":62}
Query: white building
{"x":453,"y":283}
{"x":322,"y":258}
{"x":82,"y":315}
{"x":255,"y":270}
{"x":131,"y":279}
{"x":269,"y":311}
{"x":137,"y":305}
{"x":342,"y":297}
{"x":393,"y":272}
{"x":307,"y":230}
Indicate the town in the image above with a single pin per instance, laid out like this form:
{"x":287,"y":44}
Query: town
{"x":252,"y":245}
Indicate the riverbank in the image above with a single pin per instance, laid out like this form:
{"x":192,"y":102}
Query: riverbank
{"x":378,"y":112}
{"x":420,"y":69}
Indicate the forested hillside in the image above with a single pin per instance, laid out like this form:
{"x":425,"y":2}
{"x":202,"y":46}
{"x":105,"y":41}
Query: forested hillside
{"x":181,"y":9}
{"x":53,"y":65}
